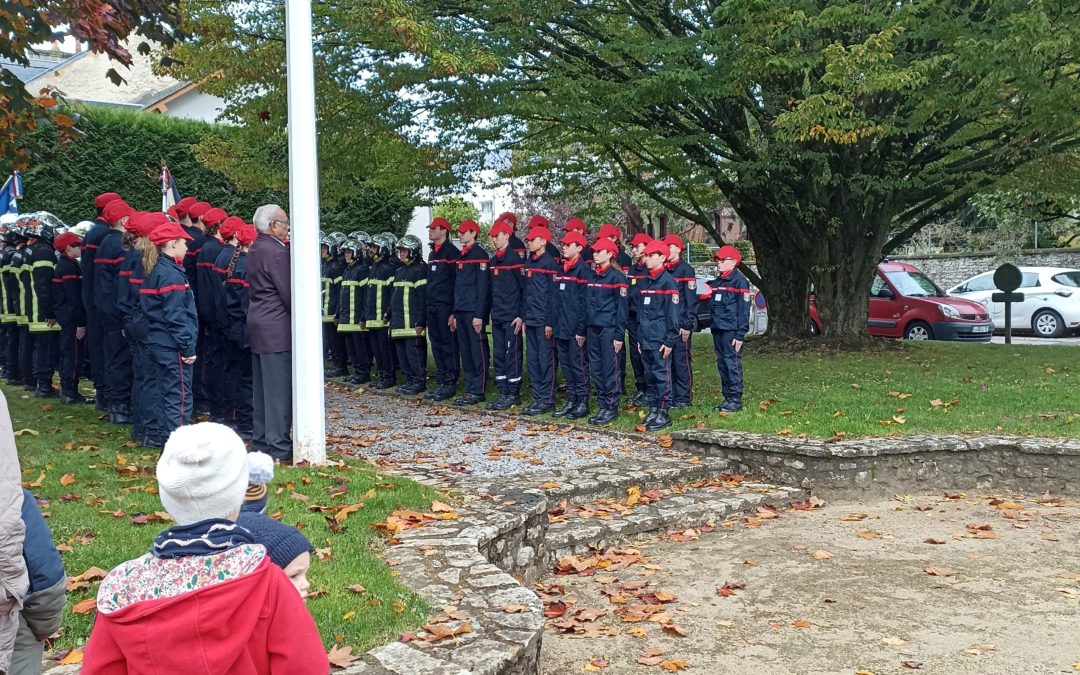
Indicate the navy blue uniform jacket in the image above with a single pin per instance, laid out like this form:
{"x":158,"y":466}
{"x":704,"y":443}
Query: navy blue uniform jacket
{"x":471,"y":282}
{"x":90,"y":245}
{"x":658,"y":311}
{"x":605,"y":299}
{"x":169,"y":307}
{"x":569,"y":304}
{"x":731,"y":304}
{"x":67,"y":293}
{"x":208,"y":281}
{"x":442,"y":262}
{"x":236,"y":300}
{"x":110,"y":254}
{"x":507,"y":285}
{"x":539,"y":290}
{"x":684,"y":276}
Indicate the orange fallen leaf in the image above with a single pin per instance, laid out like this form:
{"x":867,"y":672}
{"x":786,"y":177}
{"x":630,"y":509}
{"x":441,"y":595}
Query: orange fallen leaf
{"x":67,"y":479}
{"x":674,"y":665}
{"x":939,"y":571}
{"x":342,"y":657}
{"x":72,"y":657}
{"x":801,"y":623}
{"x":85,"y":607}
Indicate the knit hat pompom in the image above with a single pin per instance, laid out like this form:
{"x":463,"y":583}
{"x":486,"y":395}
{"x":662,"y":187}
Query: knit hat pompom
{"x":202,"y":473}
{"x":260,"y":468}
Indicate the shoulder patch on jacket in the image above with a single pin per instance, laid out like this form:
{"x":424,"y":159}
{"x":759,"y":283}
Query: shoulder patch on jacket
{"x":675,"y":298}
{"x":692,"y":285}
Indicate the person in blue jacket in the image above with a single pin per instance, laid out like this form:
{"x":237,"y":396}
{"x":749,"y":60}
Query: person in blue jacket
{"x":236,"y":299}
{"x":730,"y":314}
{"x":442,"y":263}
{"x":540,"y":271}
{"x":682,"y":369}
{"x":172,"y":324}
{"x":117,"y":364}
{"x":208,"y":289}
{"x":507,"y":270}
{"x":471,"y":306}
{"x":71,"y":315}
{"x":95,"y":331}
{"x":634,"y":275}
{"x":43,"y":606}
{"x":569,"y":327}
{"x":606,"y":312}
{"x":658,"y":330}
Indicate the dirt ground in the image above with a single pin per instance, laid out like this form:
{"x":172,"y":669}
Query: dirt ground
{"x":843,"y":589}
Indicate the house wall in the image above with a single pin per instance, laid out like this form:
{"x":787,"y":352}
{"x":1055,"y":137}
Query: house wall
{"x":195,"y":105}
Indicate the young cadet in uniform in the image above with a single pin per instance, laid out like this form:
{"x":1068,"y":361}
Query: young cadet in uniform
{"x":730,"y":314}
{"x":634,"y":274}
{"x":516,"y":244}
{"x":6,"y":319}
{"x":507,"y":323}
{"x":471,"y":298}
{"x":540,"y":221}
{"x":70,"y":313}
{"x":569,"y":327}
{"x":207,"y":288}
{"x":682,"y":381}
{"x":197,"y":232}
{"x":606,"y":311}
{"x":129,"y":280}
{"x":172,"y":325}
{"x":350,"y":313}
{"x":332,"y":269}
{"x":95,"y":331}
{"x":110,"y":254}
{"x":658,"y":331}
{"x":227,"y":231}
{"x":13,"y":291}
{"x":575,"y":224}
{"x":234,"y":321}
{"x":442,"y":264}
{"x":408,"y":315}
{"x":622,"y":258}
{"x":377,"y":310}
{"x":540,"y":270}
{"x":39,"y":260}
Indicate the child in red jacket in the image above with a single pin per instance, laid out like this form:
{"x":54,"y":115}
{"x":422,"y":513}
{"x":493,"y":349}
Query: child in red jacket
{"x":206,"y":599}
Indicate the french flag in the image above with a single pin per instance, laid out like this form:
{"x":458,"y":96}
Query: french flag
{"x":11,"y":193}
{"x":169,"y":194}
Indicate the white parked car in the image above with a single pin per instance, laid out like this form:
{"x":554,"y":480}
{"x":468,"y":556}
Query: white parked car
{"x":1051,"y":306}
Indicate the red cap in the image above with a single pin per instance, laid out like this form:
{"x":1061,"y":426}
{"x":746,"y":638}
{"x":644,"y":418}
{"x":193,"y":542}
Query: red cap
{"x":102,"y":200}
{"x":171,"y":212}
{"x":66,"y":239}
{"x":440,"y":223}
{"x":729,"y":252}
{"x":539,"y":231}
{"x":574,"y":237}
{"x":609,"y":231}
{"x":675,"y":240}
{"x":152,"y":221}
{"x":508,"y":215}
{"x":539,"y":221}
{"x":214,"y":216}
{"x":246,"y":234}
{"x":605,"y":244}
{"x":115,"y":210}
{"x":641,"y":238}
{"x":468,"y":226}
{"x":500,"y":227}
{"x":167,"y":232}
{"x":230,"y":227}
{"x":183,"y":205}
{"x":196,"y":210}
{"x":575,"y":224}
{"x":657,"y":246}
{"x":132,"y":224}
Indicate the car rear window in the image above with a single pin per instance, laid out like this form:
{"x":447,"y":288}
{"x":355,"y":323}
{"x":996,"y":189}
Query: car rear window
{"x":1068,"y":278}
{"x":1031,"y":280}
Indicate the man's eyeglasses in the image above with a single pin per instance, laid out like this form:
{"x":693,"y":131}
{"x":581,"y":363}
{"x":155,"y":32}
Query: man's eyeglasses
{"x":280,"y":222}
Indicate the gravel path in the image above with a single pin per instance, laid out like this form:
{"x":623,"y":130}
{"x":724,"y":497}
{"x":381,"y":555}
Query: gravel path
{"x":965,"y":585}
{"x":398,"y":432}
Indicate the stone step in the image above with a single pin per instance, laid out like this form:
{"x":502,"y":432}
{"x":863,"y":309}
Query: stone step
{"x":677,"y":511}
{"x":611,"y":480}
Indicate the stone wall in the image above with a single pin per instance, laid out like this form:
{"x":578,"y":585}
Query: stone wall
{"x":949,"y":269}
{"x":885,"y":466}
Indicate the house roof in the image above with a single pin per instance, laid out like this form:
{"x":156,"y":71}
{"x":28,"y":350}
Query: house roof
{"x":41,"y":63}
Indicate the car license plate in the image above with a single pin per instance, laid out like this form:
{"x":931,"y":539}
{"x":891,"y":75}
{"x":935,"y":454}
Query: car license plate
{"x":980,"y":329}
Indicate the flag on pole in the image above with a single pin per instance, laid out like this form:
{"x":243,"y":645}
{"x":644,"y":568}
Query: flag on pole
{"x":169,"y":194}
{"x":11,"y":193}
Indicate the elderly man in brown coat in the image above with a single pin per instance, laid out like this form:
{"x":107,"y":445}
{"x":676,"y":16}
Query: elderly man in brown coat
{"x":269,"y":323}
{"x":13,"y":579}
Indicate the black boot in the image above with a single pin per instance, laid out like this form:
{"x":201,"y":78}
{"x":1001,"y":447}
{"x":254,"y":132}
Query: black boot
{"x":659,"y":422}
{"x":567,"y":408}
{"x":731,"y":406}
{"x":536,"y":408}
{"x":605,"y":416}
{"x":442,"y":392}
{"x":384,"y":382}
{"x":45,"y":389}
{"x":468,"y":399}
{"x":119,"y":414}
{"x":503,"y":402}
{"x":650,"y":417}
{"x":580,"y":410}
{"x":638,"y":399}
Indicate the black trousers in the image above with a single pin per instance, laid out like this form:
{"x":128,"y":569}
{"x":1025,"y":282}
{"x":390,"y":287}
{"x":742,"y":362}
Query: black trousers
{"x":239,"y":391}
{"x":358,"y":346}
{"x":14,"y":375}
{"x":3,"y":343}
{"x":95,"y":343}
{"x":540,"y":356}
{"x":70,"y":360}
{"x":383,"y":349}
{"x":473,"y":348}
{"x":635,"y":357}
{"x":44,"y":357}
{"x":144,"y":415}
{"x":506,"y":351}
{"x":214,"y":374}
{"x":444,"y":345}
{"x":26,"y":355}
{"x":170,"y":389}
{"x":604,"y":364}
{"x":575,"y":369}
{"x":271,"y":378}
{"x":412,"y":358}
{"x":682,"y":373}
{"x":728,"y":365}
{"x":201,"y":403}
{"x":118,"y":373}
{"x":658,"y":378}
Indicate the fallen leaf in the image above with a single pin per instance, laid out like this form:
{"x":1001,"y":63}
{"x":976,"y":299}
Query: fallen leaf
{"x":440,"y":631}
{"x":801,"y":623}
{"x":93,"y":574}
{"x":67,"y":479}
{"x":440,"y":507}
{"x":85,"y":607}
{"x":933,"y":541}
{"x":895,"y":641}
{"x":863,"y":533}
{"x":650,"y":657}
{"x":341,"y":657}
{"x":32,"y":432}
{"x":549,"y":486}
{"x":914,"y":665}
{"x":72,"y":657}
{"x":674,"y":665}
{"x":821,"y":555}
{"x":514,"y":609}
{"x":939,"y":571}
{"x":675,"y":630}
{"x":596,"y":664}
{"x":979,"y":650}
{"x":348,"y":615}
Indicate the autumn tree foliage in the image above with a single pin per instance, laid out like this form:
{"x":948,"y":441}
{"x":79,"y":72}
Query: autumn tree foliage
{"x":102,"y":26}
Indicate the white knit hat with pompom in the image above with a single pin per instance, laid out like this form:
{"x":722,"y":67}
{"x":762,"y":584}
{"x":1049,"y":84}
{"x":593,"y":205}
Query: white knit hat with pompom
{"x":202,"y":473}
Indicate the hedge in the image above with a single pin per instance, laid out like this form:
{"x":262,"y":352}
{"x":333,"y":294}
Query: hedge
{"x":117,"y":150}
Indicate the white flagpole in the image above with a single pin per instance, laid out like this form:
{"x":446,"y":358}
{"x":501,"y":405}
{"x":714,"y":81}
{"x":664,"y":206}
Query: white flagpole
{"x":309,"y":431}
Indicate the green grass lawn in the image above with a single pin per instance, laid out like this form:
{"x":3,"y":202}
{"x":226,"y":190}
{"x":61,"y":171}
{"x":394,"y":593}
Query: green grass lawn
{"x":109,"y":487}
{"x":908,"y":388}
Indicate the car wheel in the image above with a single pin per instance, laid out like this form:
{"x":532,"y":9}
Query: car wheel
{"x":1048,"y":324}
{"x":919,"y":330}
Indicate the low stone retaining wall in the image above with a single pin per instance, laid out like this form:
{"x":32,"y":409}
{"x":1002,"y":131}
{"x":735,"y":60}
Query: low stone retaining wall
{"x":884,"y":466}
